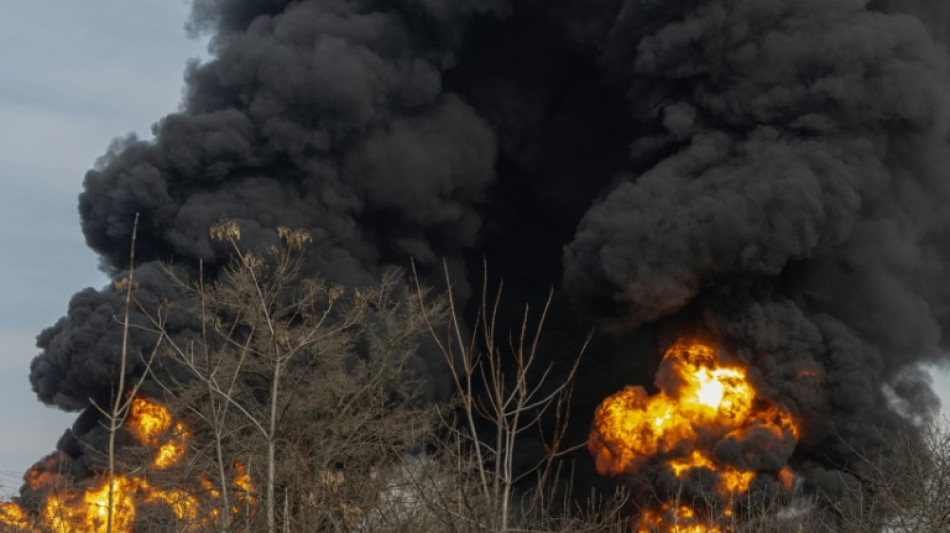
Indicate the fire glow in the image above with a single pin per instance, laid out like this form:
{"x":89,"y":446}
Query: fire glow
{"x":701,"y":402}
{"x":151,"y":422}
{"x":70,"y":509}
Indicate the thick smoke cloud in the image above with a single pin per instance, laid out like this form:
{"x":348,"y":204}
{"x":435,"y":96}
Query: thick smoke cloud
{"x":799,"y":213}
{"x":771,"y":172}
{"x":81,"y":352}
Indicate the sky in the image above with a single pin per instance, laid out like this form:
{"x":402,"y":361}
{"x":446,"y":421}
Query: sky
{"x":74,"y":74}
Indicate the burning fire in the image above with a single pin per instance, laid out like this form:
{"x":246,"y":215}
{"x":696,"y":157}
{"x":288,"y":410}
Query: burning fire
{"x":701,"y":402}
{"x":151,"y":422}
{"x":70,"y":510}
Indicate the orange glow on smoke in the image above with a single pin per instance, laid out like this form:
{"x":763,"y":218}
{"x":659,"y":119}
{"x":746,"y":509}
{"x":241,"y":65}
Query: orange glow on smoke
{"x":151,"y":422}
{"x":731,"y":480}
{"x":71,"y":510}
{"x":701,"y":401}
{"x":787,"y":478}
{"x":681,"y":519}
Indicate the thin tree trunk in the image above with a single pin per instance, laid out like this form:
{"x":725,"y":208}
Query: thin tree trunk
{"x":225,"y":505}
{"x":117,"y":407}
{"x":271,"y":446}
{"x":217,"y":416}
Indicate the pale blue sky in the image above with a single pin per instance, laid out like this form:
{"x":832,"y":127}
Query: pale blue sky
{"x":74,"y":74}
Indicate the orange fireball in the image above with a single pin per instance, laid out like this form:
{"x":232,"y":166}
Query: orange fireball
{"x":701,"y":402}
{"x":152,"y":423}
{"x":68,"y":509}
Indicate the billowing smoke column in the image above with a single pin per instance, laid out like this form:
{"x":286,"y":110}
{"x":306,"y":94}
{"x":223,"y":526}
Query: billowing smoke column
{"x":796,"y":214}
{"x":769,"y":172}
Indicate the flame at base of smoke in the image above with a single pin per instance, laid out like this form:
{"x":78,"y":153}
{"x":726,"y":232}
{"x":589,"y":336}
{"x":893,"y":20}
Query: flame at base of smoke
{"x":87,"y":508}
{"x":701,"y":403}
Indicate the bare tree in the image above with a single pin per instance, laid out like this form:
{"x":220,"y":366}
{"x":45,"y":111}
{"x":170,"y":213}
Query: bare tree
{"x":505,"y":389}
{"x":309,"y":381}
{"x":118,"y":412}
{"x":309,"y":387}
{"x":903,"y":484}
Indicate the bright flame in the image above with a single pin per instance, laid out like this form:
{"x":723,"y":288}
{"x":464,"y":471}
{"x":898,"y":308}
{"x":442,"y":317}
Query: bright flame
{"x":88,"y":510}
{"x":12,"y":515}
{"x":675,"y":519}
{"x":151,"y":423}
{"x":701,"y":402}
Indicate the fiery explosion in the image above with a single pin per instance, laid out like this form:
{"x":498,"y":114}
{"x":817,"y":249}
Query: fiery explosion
{"x":73,"y":509}
{"x":701,"y":402}
{"x":151,"y":422}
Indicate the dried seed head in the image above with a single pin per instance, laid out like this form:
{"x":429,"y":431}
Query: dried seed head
{"x":225,"y":229}
{"x":362,"y":299}
{"x":122,"y":284}
{"x":295,"y":239}
{"x":252,"y":261}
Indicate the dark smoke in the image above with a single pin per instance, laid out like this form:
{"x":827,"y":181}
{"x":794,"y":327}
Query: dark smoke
{"x":769,"y":171}
{"x":800,"y":213}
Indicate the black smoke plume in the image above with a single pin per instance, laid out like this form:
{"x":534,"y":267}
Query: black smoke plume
{"x":771,"y":172}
